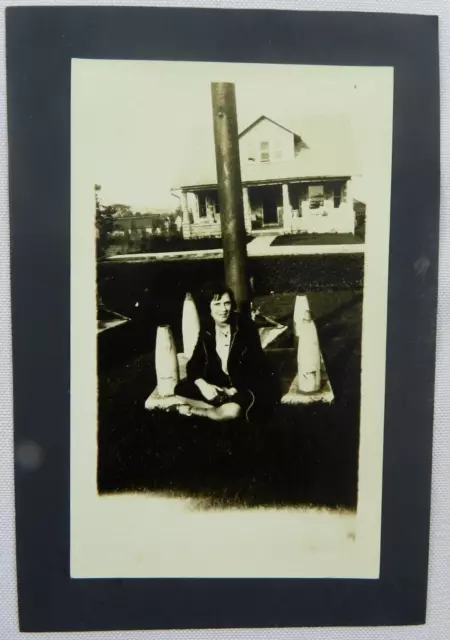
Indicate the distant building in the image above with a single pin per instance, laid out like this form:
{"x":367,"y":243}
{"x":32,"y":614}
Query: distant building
{"x":147,"y":221}
{"x":287,"y":186}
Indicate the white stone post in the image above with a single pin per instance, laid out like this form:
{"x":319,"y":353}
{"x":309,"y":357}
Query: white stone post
{"x":190,"y":325}
{"x":166,"y":363}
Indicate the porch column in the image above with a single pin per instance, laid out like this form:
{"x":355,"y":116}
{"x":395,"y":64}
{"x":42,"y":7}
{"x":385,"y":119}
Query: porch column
{"x":186,"y":221}
{"x":247,"y":210}
{"x":196,"y":212}
{"x":184,"y":207}
{"x":287,"y":211}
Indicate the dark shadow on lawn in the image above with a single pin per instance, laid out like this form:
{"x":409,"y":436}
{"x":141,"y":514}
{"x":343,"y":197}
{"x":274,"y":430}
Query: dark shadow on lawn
{"x":336,"y":313}
{"x":305,"y":455}
{"x":301,"y":239}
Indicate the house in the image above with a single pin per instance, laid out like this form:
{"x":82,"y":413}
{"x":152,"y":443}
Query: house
{"x":288,"y":185}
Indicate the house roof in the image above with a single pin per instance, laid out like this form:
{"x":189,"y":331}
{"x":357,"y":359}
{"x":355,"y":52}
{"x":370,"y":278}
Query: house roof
{"x":328,"y":153}
{"x":263,"y":117}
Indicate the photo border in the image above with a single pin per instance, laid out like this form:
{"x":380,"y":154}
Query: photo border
{"x":41,"y":42}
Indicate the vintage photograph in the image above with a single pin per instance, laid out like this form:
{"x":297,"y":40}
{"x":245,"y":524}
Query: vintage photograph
{"x":230,"y":233}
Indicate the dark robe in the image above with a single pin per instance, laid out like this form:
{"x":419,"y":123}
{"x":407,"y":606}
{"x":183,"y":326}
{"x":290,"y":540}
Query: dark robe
{"x":248,"y":370}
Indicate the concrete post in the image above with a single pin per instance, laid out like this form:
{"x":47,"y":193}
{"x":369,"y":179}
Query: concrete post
{"x":166,"y":363}
{"x":308,"y":356}
{"x":190,"y":325}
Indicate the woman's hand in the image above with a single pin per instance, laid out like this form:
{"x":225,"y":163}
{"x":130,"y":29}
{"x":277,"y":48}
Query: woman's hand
{"x":231,"y":391}
{"x":208,"y":391}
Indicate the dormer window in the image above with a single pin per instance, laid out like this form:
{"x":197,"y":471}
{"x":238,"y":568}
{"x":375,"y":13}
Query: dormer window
{"x":264,"y":151}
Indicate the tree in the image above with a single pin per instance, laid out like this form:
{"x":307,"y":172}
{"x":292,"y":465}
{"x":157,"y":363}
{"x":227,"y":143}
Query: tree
{"x":123,"y":210}
{"x":104,"y":222}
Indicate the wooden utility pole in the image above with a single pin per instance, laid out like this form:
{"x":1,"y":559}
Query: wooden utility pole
{"x":230,"y":191}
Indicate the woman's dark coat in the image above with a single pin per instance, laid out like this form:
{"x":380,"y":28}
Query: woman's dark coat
{"x":248,"y":369}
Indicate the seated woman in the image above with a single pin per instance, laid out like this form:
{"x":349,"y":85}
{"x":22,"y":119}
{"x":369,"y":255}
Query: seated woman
{"x":228,"y":369}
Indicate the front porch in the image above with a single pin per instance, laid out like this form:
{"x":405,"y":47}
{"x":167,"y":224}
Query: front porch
{"x":313,"y":206}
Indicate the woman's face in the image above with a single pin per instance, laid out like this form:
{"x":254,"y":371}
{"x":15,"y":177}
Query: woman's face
{"x":221,"y":309}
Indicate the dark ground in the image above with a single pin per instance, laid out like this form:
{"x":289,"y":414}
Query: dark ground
{"x":316,"y":239}
{"x":304,"y":456}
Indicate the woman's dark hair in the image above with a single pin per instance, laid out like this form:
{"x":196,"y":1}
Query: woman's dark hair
{"x":213,"y":291}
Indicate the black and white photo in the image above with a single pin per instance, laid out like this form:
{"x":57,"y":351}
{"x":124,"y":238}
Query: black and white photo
{"x":230,"y":238}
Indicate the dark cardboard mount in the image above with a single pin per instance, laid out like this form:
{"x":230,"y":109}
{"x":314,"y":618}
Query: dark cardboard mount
{"x":40,"y":44}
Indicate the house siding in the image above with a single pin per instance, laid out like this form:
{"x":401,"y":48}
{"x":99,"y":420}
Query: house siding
{"x":279,"y":140}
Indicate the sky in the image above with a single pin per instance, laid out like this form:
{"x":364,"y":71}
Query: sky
{"x":137,"y":125}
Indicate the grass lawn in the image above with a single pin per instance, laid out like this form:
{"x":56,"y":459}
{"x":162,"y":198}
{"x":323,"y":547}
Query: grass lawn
{"x":316,"y":239}
{"x":304,"y":456}
{"x":151,"y":292}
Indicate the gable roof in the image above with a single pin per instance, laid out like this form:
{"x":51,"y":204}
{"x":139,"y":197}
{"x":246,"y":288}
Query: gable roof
{"x":327,"y":152}
{"x":260,"y":119}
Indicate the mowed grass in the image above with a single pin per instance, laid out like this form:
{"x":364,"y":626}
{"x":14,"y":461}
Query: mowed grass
{"x":305,"y":455}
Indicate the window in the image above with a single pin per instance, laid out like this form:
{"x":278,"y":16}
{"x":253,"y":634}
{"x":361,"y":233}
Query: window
{"x":251,"y":156}
{"x":316,"y":196}
{"x":264,"y":151}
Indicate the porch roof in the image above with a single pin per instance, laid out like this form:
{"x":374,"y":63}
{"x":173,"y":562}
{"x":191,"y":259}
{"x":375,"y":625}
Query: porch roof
{"x":308,"y":165}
